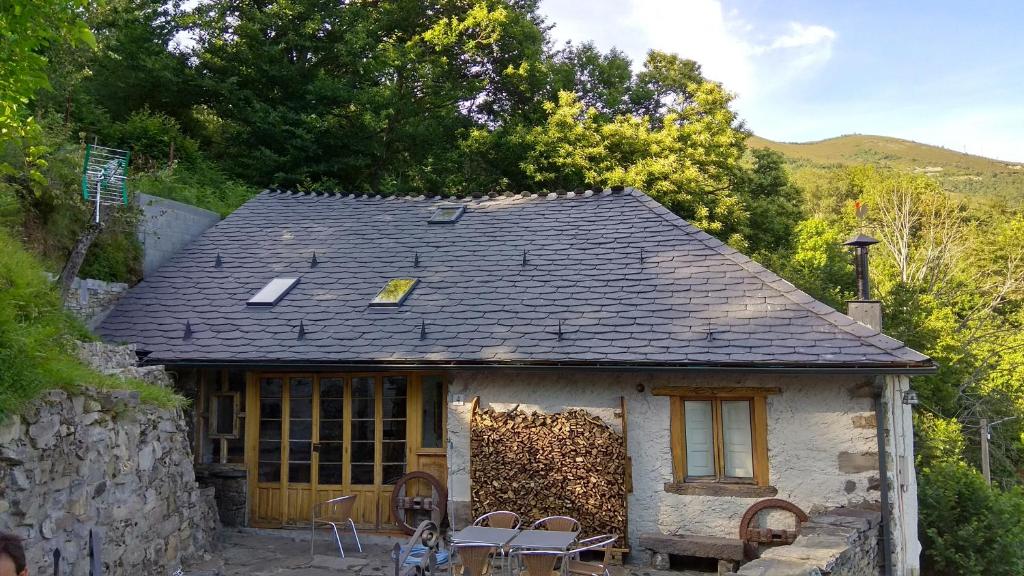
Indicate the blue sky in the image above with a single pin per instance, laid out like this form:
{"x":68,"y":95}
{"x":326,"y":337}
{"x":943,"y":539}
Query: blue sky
{"x":940,"y":72}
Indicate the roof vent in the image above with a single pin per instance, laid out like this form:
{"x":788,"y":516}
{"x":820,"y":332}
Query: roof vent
{"x":273,"y":292}
{"x":447,"y":214}
{"x":394,"y":292}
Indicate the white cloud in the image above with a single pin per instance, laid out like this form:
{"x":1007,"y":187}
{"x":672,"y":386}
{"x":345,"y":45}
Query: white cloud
{"x":748,"y":61}
{"x":805,"y":35}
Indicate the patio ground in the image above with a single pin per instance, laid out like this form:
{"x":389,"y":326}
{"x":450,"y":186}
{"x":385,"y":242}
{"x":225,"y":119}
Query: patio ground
{"x":252,"y":552}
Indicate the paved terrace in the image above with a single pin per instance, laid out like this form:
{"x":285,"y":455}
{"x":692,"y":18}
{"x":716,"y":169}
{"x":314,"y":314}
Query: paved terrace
{"x":250,"y":552}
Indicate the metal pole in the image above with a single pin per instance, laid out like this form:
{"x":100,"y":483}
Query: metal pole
{"x":985,"y":468}
{"x":99,"y":185}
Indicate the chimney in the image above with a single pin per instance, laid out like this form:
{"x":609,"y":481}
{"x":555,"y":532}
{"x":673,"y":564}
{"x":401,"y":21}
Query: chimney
{"x":863,"y":309}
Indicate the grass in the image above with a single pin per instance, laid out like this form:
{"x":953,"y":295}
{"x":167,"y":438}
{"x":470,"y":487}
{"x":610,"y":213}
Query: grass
{"x":965,"y":174}
{"x":198,"y":184}
{"x":37,"y":339}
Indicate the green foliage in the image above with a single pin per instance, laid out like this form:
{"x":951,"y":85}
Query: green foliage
{"x":37,"y":338}
{"x":152,"y":138}
{"x":967,"y":528}
{"x":970,"y":177}
{"x":686,"y":163}
{"x":28,"y":27}
{"x":817,"y":263}
{"x":776,"y":205}
{"x":201,"y":184}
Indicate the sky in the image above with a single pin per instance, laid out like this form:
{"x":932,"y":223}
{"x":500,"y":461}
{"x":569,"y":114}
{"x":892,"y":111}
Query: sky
{"x":940,"y":72}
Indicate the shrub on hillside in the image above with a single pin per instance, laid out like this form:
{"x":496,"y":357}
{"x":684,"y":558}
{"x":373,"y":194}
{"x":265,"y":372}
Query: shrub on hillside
{"x":968,"y":528}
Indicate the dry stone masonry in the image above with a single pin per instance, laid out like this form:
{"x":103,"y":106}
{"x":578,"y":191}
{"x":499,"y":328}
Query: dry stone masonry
{"x":101,"y":463}
{"x":840,"y":542}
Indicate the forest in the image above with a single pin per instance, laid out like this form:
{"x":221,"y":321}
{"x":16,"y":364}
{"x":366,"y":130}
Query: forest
{"x":219,"y":99}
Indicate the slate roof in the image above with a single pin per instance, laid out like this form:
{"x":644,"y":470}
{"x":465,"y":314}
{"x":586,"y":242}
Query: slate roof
{"x":610,"y":278}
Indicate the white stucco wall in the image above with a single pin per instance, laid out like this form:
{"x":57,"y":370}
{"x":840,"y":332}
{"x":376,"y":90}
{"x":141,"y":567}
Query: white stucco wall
{"x":812,"y":421}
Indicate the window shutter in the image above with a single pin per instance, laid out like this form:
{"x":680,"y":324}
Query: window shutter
{"x":700,"y":455}
{"x":739,"y":452}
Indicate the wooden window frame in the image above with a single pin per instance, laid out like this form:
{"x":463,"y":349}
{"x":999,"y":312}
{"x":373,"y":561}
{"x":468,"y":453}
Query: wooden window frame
{"x":720,"y":484}
{"x":212,"y":417}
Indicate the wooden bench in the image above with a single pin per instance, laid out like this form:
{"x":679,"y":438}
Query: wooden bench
{"x":728,"y":551}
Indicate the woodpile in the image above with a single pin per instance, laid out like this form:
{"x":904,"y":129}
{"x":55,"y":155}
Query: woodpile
{"x":537,"y":465}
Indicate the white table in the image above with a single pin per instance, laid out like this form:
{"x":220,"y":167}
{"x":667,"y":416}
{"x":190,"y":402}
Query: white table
{"x":543,"y":540}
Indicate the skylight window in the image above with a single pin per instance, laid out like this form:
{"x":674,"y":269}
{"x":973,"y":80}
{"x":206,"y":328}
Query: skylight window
{"x":447,"y":214}
{"x":273,"y":292}
{"x":394,"y":292}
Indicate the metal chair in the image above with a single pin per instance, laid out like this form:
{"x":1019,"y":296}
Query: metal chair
{"x":559,"y":523}
{"x":574,"y":565}
{"x":474,"y":557}
{"x":333,"y":512}
{"x":499,"y":519}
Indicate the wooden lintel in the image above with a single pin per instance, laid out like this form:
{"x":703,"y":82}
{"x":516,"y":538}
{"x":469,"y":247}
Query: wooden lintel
{"x":716,"y":391}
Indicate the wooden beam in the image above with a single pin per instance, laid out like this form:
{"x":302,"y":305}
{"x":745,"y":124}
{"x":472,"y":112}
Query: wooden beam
{"x":715,"y":391}
{"x":678,"y":440}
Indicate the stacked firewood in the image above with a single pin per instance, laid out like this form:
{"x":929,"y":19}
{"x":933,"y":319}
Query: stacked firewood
{"x":537,"y":465}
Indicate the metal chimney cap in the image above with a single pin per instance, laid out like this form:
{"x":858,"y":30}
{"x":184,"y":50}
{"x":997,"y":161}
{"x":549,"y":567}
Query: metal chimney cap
{"x":860,"y":240}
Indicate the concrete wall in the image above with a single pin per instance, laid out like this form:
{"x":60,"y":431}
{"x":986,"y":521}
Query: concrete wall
{"x":821,"y":439}
{"x":168,"y":226}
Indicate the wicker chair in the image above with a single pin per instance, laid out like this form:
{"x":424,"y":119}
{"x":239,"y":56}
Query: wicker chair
{"x":559,"y":523}
{"x":574,"y":565}
{"x":538,"y":562}
{"x":474,"y":557}
{"x":499,"y":519}
{"x":334,"y":512}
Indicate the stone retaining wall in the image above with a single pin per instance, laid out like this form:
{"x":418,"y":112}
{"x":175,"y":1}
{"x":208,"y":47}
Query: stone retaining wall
{"x":840,"y":542}
{"x":91,"y":299}
{"x":100,"y":462}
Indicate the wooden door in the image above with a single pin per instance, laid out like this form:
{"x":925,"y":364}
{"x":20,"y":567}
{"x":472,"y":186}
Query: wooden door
{"x":322,"y":436}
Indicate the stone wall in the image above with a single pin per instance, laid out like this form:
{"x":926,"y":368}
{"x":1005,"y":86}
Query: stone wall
{"x":91,"y":299}
{"x":821,"y":439}
{"x":231,"y":490}
{"x":100,"y":462}
{"x":168,"y":226}
{"x":840,"y":542}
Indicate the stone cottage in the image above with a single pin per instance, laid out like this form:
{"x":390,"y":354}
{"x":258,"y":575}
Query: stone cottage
{"x":334,"y":343}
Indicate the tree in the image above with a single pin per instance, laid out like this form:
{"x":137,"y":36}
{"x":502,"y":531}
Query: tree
{"x":28,"y":28}
{"x":688,"y":163}
{"x":775,"y":205}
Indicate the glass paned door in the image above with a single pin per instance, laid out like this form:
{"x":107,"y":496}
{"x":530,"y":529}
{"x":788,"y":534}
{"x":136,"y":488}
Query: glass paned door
{"x":300,"y":430}
{"x":271,"y":415}
{"x":363,"y":451}
{"x":331,"y":431}
{"x":321,"y":436}
{"x":394,"y":405}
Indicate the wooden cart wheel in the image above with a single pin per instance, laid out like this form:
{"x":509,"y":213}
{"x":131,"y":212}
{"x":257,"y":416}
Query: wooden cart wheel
{"x":400,"y":507}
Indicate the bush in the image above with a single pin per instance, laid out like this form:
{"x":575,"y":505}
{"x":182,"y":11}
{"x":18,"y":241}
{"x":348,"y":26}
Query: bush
{"x":199,"y":184}
{"x":37,"y":338}
{"x":150,"y":137}
{"x":968,"y":528}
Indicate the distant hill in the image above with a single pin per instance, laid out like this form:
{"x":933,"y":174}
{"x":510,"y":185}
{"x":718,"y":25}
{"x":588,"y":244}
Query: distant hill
{"x":961,"y":173}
